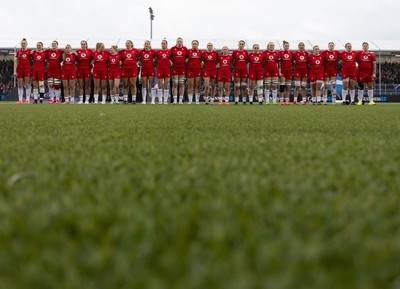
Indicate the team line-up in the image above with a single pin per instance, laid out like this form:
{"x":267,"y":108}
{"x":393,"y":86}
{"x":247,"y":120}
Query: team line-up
{"x":264,"y":72}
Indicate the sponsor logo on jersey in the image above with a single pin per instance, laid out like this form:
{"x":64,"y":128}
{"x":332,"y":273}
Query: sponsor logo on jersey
{"x":99,"y":57}
{"x":164,"y":55}
{"x":225,"y":61}
{"x":365,"y":57}
{"x":23,"y":55}
{"x":53,"y":55}
{"x":349,"y":57}
{"x":257,"y":58}
{"x":209,"y":57}
{"x":38,"y":58}
{"x":317,"y":62}
{"x":83,"y":55}
{"x":129,"y":55}
{"x":179,"y":53}
{"x":331,"y":56}
{"x":113,"y":60}
{"x":302,"y":57}
{"x":194,"y":54}
{"x":146,"y":56}
{"x":67,"y":59}
{"x":241,"y":57}
{"x":286,"y":56}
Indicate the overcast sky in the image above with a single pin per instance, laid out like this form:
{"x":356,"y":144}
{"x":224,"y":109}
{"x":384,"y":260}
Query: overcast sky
{"x":206,"y":20}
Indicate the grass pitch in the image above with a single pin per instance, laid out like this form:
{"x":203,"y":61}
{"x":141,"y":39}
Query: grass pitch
{"x":123,"y":196}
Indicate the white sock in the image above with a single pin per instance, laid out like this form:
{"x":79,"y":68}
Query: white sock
{"x":251,"y":98}
{"x":181,"y":98}
{"x":20,"y":93}
{"x":333,"y":98}
{"x":81,"y":98}
{"x":144,"y":94}
{"x":116,"y":98}
{"x":67,"y":98}
{"x":237,"y":99}
{"x":274,"y":95}
{"x":175,"y":97}
{"x":125,"y":98}
{"x":325,"y":98}
{"x":197,"y":97}
{"x":226,"y":98}
{"x":133,"y":98}
{"x":360,"y":94}
{"x":371,"y":94}
{"x":166,"y":95}
{"x":352,"y":95}
{"x":318,"y":99}
{"x":96,"y":98}
{"x":153,"y":94}
{"x":160,"y":95}
{"x":35,"y":93}
{"x":57,"y":93}
{"x":72,"y":99}
{"x":51,"y":94}
{"x":344,"y":94}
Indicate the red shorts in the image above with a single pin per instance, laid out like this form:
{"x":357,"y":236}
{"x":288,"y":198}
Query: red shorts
{"x":271,"y":72}
{"x":114,"y":75}
{"x":84,"y":72}
{"x":54,"y":74}
{"x":211,"y":73}
{"x":37,"y":75}
{"x":301,"y":73}
{"x":23,"y":72}
{"x":100,"y":74}
{"x":193,"y":72}
{"x":330,"y":73}
{"x":241,"y":73}
{"x":287,"y":74}
{"x":178,"y":71}
{"x":129,"y":72}
{"x":349,"y":74}
{"x":316,"y":76}
{"x":364,"y":77}
{"x":68,"y":74}
{"x":224,"y":77}
{"x":163,"y":73}
{"x":147,"y":72}
{"x":256,"y":75}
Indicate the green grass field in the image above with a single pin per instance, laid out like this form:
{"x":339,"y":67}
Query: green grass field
{"x":123,"y":196}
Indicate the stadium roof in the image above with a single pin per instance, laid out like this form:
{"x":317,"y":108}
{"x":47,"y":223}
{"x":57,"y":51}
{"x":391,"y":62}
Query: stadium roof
{"x":385,"y":46}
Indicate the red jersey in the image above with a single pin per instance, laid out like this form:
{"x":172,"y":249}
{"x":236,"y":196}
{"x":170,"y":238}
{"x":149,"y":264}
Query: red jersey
{"x":210,"y":60}
{"x":256,"y":60}
{"x":240,"y":59}
{"x":225,"y":62}
{"x":24,"y":58}
{"x":178,"y":56}
{"x":84,"y":58}
{"x":100,"y":60}
{"x":194,"y":59}
{"x":348,"y":60}
{"x":129,"y":57}
{"x":271,"y":59}
{"x":301,"y":59}
{"x":54,"y":59}
{"x":330,"y":59}
{"x":114,"y":62}
{"x":163,"y":59}
{"x":147,"y":59}
{"x":39,"y":59}
{"x":365,"y":60}
{"x":69,"y":62}
{"x":286,"y":58}
{"x":316,"y":63}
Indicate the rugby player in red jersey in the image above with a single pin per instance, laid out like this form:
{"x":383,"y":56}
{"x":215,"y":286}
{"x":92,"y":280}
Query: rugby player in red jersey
{"x":316,"y":62}
{"x":285,"y":72}
{"x":349,"y":72}
{"x":100,"y":69}
{"x":163,"y":71}
{"x":22,"y":70}
{"x":114,"y":73}
{"x":331,"y":58}
{"x":147,"y":72}
{"x":366,"y":73}
{"x":129,"y":71}
{"x":209,"y":58}
{"x":256,"y":73}
{"x":68,"y":74}
{"x":194,"y":71}
{"x":240,"y":73}
{"x":54,"y":59}
{"x":84,"y":57}
{"x":38,"y":57}
{"x":224,"y":75}
{"x":178,"y":57}
{"x":271,"y":72}
{"x":300,"y":73}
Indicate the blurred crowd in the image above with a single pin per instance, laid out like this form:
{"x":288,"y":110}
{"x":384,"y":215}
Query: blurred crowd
{"x":6,"y":76}
{"x":390,"y":73}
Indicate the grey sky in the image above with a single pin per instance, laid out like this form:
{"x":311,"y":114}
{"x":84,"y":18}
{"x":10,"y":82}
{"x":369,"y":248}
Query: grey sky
{"x":206,"y":20}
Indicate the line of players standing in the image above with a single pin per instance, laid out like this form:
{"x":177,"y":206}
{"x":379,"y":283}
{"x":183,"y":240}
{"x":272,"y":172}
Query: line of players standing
{"x":264,"y":71}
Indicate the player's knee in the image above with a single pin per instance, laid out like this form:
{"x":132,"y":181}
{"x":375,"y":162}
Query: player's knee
{"x":297,"y":83}
{"x":57,"y":83}
{"x":303,"y":83}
